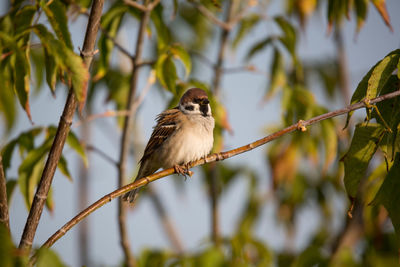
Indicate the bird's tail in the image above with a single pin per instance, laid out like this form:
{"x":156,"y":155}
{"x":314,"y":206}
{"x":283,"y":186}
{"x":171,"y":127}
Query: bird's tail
{"x":143,"y":171}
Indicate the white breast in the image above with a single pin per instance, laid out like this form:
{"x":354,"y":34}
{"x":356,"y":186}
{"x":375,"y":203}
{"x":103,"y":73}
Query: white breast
{"x":192,"y":141}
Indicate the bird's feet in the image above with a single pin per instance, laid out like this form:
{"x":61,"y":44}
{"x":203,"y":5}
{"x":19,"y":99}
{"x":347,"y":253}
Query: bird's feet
{"x":183,"y":170}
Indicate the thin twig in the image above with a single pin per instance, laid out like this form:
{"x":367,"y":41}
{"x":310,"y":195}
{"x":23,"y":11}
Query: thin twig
{"x":203,"y":58}
{"x":135,"y":5}
{"x":118,"y":113}
{"x":4,"y":217}
{"x":61,"y":134}
{"x":344,"y":79}
{"x":218,"y":72}
{"x":126,"y":133}
{"x":83,"y":241}
{"x":106,"y":114}
{"x":208,"y":14}
{"x":111,"y":38}
{"x":102,"y":154}
{"x":138,"y":101}
{"x":141,"y":7}
{"x":168,"y":226}
{"x":210,"y":158}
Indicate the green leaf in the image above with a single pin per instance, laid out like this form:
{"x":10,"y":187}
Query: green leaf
{"x":7,"y":249}
{"x":382,"y":73}
{"x":337,"y":9}
{"x":7,"y":153}
{"x":289,"y":38}
{"x":34,"y":156}
{"x":361,"y":9}
{"x":380,"y":5}
{"x":257,"y":47}
{"x":166,"y":72}
{"x":245,"y":27}
{"x":330,"y":140}
{"x":25,"y":142}
{"x":11,"y":183}
{"x":110,"y":22}
{"x":363,"y":146}
{"x":73,"y":142}
{"x":28,"y":180}
{"x":389,"y":114}
{"x":163,"y":33}
{"x":23,"y":19}
{"x":388,"y":195}
{"x":21,"y":79}
{"x":278,"y":75}
{"x":373,"y":82}
{"x":179,"y":52}
{"x":66,"y":60}
{"x":63,"y":167}
{"x":46,"y":257}
{"x":51,"y":71}
{"x":153,"y":258}
{"x":210,"y":255}
{"x":50,"y":201}
{"x":8,"y":103}
{"x":56,"y":13}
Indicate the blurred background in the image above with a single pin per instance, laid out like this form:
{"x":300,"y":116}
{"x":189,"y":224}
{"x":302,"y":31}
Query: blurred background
{"x":284,"y":198}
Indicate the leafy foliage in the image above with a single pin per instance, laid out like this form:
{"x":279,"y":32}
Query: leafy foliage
{"x":305,"y":169}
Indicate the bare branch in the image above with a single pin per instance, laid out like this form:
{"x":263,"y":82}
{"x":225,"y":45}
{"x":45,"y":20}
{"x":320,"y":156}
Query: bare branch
{"x":210,"y":158}
{"x":168,"y":226}
{"x":218,"y":69}
{"x":126,"y":132}
{"x":102,"y":154}
{"x":209,"y":15}
{"x":61,"y":134}
{"x":106,"y":114}
{"x":111,"y":38}
{"x":4,"y":217}
{"x":135,"y":5}
{"x":141,"y":7}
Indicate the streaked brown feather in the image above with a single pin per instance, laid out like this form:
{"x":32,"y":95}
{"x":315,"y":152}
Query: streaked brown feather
{"x":166,"y":125}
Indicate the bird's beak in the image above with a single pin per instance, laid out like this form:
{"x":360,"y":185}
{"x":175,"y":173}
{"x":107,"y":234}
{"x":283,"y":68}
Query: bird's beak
{"x":204,"y":102}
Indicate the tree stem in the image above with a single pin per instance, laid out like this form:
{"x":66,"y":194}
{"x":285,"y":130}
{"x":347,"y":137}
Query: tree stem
{"x":62,"y":132}
{"x":125,"y":140}
{"x":4,"y":217}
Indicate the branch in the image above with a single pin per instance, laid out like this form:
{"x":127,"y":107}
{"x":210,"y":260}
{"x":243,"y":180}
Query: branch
{"x":83,"y":241}
{"x":4,"y":217}
{"x":61,"y":134}
{"x":210,"y":158}
{"x":108,"y":36}
{"x":126,"y":132}
{"x":344,"y":79}
{"x":218,"y":68}
{"x":141,"y":7}
{"x":208,"y":14}
{"x":116,"y":113}
{"x":103,"y":154}
{"x":168,"y":226}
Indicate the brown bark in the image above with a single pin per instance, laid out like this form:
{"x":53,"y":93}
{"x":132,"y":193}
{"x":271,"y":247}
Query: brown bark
{"x":61,"y":134}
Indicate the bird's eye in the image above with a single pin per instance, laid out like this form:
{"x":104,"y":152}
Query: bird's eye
{"x":189,"y":107}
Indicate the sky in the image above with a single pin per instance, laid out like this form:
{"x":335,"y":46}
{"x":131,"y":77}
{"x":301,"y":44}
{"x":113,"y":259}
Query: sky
{"x":189,"y":210}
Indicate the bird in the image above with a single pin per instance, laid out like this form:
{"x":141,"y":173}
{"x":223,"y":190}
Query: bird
{"x":181,"y":135}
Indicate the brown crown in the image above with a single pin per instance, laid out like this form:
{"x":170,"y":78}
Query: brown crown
{"x":192,"y":94}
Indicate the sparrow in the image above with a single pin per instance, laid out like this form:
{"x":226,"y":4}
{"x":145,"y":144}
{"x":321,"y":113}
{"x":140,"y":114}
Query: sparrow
{"x":182,"y":134}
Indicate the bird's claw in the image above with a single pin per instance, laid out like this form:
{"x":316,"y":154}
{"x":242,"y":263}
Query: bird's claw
{"x":183,"y":170}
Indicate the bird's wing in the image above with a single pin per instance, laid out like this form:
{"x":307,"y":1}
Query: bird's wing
{"x":166,"y":125}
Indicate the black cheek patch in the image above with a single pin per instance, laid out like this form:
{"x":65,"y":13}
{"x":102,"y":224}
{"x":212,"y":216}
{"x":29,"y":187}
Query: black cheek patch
{"x":189,"y":107}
